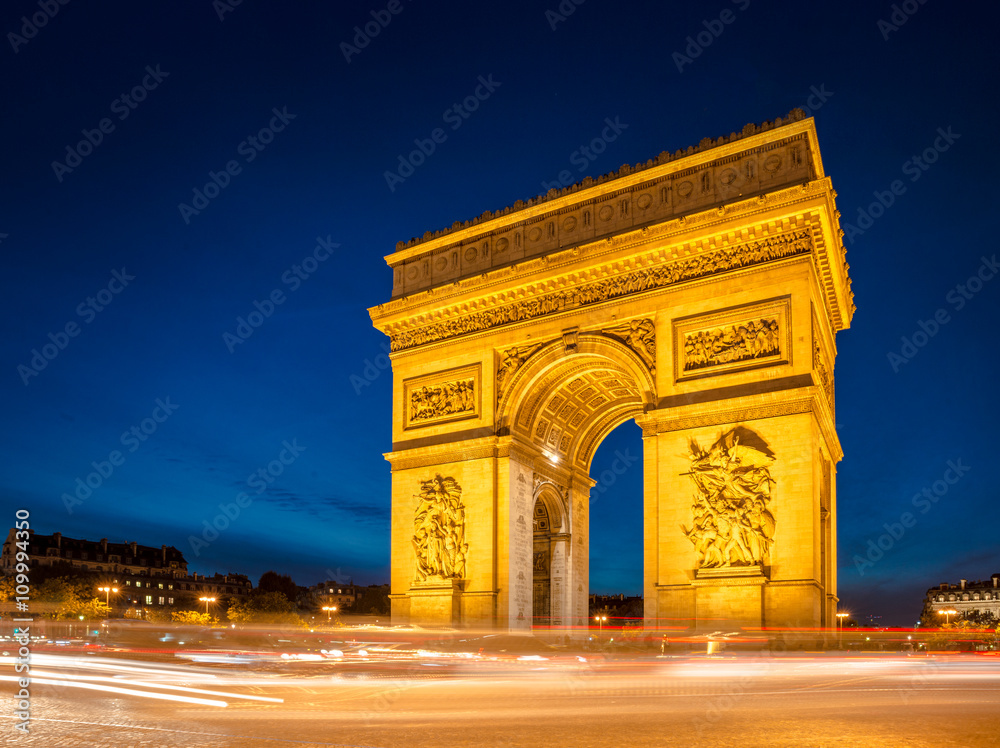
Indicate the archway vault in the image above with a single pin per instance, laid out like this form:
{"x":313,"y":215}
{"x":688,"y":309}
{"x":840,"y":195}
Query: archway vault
{"x":700,"y":294}
{"x":563,"y":402}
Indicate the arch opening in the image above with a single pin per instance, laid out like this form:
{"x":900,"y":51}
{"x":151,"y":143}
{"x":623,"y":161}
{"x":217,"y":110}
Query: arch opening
{"x":616,"y":526}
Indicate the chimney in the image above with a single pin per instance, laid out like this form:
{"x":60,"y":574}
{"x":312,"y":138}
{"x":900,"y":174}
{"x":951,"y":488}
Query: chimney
{"x":996,"y":579}
{"x":133,"y":546}
{"x":164,"y":548}
{"x":104,"y":545}
{"x":57,"y":537}
{"x":962,"y":582}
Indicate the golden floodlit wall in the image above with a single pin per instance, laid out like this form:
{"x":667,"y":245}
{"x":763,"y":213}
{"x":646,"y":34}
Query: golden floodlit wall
{"x":698,"y":294}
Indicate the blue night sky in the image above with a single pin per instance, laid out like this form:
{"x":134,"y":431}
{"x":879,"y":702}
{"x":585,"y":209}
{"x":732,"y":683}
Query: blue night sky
{"x":208,"y":85}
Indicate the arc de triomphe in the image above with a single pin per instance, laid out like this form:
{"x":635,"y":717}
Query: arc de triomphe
{"x":698,"y":294}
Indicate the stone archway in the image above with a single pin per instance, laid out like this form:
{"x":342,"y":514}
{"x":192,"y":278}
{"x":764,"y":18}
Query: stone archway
{"x":551,"y":541}
{"x":698,"y":294}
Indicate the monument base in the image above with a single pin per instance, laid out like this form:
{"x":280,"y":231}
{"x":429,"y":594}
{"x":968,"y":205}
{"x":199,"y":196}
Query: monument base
{"x":437,"y":601}
{"x":730,"y":597}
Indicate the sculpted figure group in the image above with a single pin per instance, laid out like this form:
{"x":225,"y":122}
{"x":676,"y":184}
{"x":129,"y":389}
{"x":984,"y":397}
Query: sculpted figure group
{"x":733,"y":525}
{"x":442,"y":399}
{"x":439,"y":530}
{"x":753,"y":339}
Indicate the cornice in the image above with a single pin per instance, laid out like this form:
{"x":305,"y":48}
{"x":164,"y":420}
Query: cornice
{"x":709,"y":150}
{"x":808,"y":196}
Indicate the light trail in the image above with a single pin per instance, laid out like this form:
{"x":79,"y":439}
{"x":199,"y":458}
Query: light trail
{"x":186,"y":689}
{"x":122,"y":691}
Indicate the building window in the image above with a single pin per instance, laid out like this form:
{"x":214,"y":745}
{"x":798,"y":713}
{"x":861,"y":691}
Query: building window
{"x":161,"y":585}
{"x":149,"y":599}
{"x":170,"y":600}
{"x":161,"y":600}
{"x":170,"y":586}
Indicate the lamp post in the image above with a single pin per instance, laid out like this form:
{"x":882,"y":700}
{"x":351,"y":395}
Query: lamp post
{"x":947,"y":615}
{"x":329,"y":609}
{"x":107,"y":594}
{"x":840,"y":627}
{"x":600,"y":623}
{"x":207,"y":600}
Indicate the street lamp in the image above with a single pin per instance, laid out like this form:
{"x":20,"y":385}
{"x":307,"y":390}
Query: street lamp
{"x":840,"y":627}
{"x":207,"y":600}
{"x":947,"y":615}
{"x":329,"y":609}
{"x":600,"y":622}
{"x":107,"y":594}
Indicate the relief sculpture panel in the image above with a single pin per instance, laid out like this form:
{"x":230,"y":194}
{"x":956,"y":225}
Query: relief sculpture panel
{"x":442,"y":397}
{"x":439,"y":530}
{"x":733,"y":524}
{"x":732,"y":340}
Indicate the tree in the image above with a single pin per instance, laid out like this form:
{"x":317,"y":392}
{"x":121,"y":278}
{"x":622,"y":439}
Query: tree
{"x":8,"y":588}
{"x":372,"y":600}
{"x":61,"y":597}
{"x":264,"y":607}
{"x":271,"y":581}
{"x":980,"y":619}
{"x":194,"y":618}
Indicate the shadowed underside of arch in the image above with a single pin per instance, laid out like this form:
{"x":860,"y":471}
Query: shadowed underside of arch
{"x":564,"y":404}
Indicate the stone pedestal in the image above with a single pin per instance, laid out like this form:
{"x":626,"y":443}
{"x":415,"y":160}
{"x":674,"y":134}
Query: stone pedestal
{"x":730,"y":597}
{"x":437,"y":602}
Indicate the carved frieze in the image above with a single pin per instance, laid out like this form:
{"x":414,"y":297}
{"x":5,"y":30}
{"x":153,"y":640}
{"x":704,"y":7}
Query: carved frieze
{"x":732,"y":340}
{"x":442,"y":397}
{"x":702,"y":265}
{"x":640,"y":336}
{"x":750,"y":340}
{"x":732,"y":522}
{"x":439,"y":530}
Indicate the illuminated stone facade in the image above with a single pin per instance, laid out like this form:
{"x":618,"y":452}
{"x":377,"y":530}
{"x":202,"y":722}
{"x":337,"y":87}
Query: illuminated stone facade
{"x":698,"y":294}
{"x":964,"y":597}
